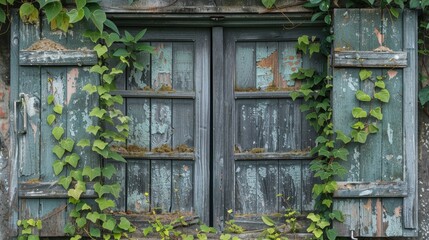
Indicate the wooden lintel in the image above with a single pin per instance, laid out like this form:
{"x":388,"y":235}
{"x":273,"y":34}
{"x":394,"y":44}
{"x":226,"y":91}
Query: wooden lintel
{"x":58,"y":58}
{"x":371,"y":189}
{"x":155,"y":94}
{"x":370,"y":59}
{"x":50,"y":190}
{"x":263,"y":95}
{"x":305,"y":155}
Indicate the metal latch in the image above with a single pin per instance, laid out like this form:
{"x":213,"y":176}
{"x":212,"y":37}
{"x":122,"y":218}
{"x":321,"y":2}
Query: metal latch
{"x":352,"y":233}
{"x":21,"y":102}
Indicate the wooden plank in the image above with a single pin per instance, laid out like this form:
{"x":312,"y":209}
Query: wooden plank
{"x":267,"y":125}
{"x":290,"y":185}
{"x":245,"y":73}
{"x":183,"y":66}
{"x":290,"y":155}
{"x":351,"y":214}
{"x":371,"y":189}
{"x":289,"y":62}
{"x":121,"y":178}
{"x":267,"y":68}
{"x":289,"y":126}
{"x":307,"y":201}
{"x":49,"y":190}
{"x":138,"y":179}
{"x":162,"y":61}
{"x":267,"y":187}
{"x":159,"y":156}
{"x":183,"y":123}
{"x":263,"y":95}
{"x":218,"y":127}
{"x":138,"y":110}
{"x":370,"y":59}
{"x":182,"y":186}
{"x":53,"y":213}
{"x":245,"y":187}
{"x":246,"y":125}
{"x":138,"y":80}
{"x":161,"y":185}
{"x":410,"y":209}
{"x":58,"y":58}
{"x":161,"y":125}
{"x":153,"y":94}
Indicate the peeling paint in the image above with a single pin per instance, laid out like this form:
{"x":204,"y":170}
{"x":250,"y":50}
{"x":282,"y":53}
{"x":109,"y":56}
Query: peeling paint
{"x":72,"y":76}
{"x":389,"y":133}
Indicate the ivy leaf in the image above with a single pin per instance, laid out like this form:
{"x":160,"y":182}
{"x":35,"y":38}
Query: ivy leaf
{"x":98,"y":69}
{"x":28,"y":13}
{"x":83,"y":143}
{"x":294,"y":95}
{"x":376,"y":112}
{"x":303,"y":40}
{"x":341,"y":153}
{"x":364,"y":74}
{"x":358,"y":112}
{"x":372,"y":128}
{"x":108,"y":171}
{"x":80,"y":222}
{"x":109,"y":224}
{"x":313,"y":217}
{"x":91,"y":173}
{"x":314,"y":48}
{"x":108,"y":23}
{"x":89,"y":88}
{"x":58,"y":167}
{"x":97,"y":112}
{"x":100,"y":49}
{"x":75,"y":15}
{"x":358,"y":125}
{"x":73,"y":160}
{"x":380,"y":84}
{"x":65,"y":181}
{"x":76,"y":175}
{"x":93,"y":216}
{"x":268,"y":221}
{"x":59,"y":151}
{"x":359,"y":136}
{"x":99,"y":144}
{"x":394,"y":12}
{"x":51,"y":99}
{"x":52,"y":10}
{"x":323,"y":224}
{"x":327,"y":202}
{"x":338,"y":215}
{"x":67,"y":144}
{"x":93,"y":129}
{"x":104,"y":203}
{"x":98,"y":17}
{"x":74,"y":193}
{"x":383,"y":95}
{"x":116,"y":156}
{"x":94,"y":232}
{"x":124,"y":223}
{"x":341,"y":136}
{"x":362,"y":96}
{"x":424,"y":95}
{"x":50,"y":119}
{"x":57,"y":132}
{"x":58,"y":109}
{"x":331,"y":234}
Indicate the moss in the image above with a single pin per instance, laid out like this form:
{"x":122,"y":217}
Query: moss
{"x":135,"y":148}
{"x":147,"y":88}
{"x":164,"y":148}
{"x":183,"y":148}
{"x":257,"y":150}
{"x":166,"y":88}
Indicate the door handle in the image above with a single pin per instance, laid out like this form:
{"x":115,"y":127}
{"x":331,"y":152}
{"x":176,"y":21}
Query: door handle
{"x":21,"y":102}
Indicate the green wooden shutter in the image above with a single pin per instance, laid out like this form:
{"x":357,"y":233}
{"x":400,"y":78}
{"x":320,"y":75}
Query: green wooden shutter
{"x":38,"y":71}
{"x":379,"y":194}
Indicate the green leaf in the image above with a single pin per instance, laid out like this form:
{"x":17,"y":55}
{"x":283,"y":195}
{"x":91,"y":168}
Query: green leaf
{"x":80,"y":4}
{"x":303,"y":40}
{"x":75,"y":15}
{"x":97,"y":112}
{"x":268,"y":221}
{"x":73,"y":160}
{"x":316,"y":16}
{"x":93,"y":216}
{"x":57,"y":132}
{"x":93,"y":129}
{"x":294,"y":95}
{"x":58,"y":167}
{"x":358,"y":125}
{"x":104,"y":203}
{"x":327,"y":202}
{"x":91,"y":173}
{"x":116,"y":156}
{"x":83,"y":143}
{"x":109,"y":224}
{"x":100,"y":144}
{"x":65,"y":181}
{"x":124,"y":224}
{"x":97,"y":69}
{"x":52,"y":10}
{"x":314,"y":48}
{"x":74,"y":193}
{"x":380,"y":84}
{"x":81,"y":222}
{"x":313,"y":217}
{"x":33,"y":237}
{"x":364,"y":74}
{"x":50,"y":119}
{"x":108,"y":171}
{"x":51,"y":99}
{"x":89,"y":87}
{"x":359,"y":136}
{"x":424,"y":95}
{"x":376,"y":112}
{"x":108,"y":23}
{"x":121,"y":52}
{"x":358,"y":112}
{"x":98,"y":17}
{"x":383,"y":95}
{"x":341,"y":136}
{"x":338,"y":215}
{"x":331,"y":234}
{"x":394,"y":12}
{"x":372,"y":128}
{"x":59,"y":151}
{"x":362,"y":96}
{"x":95,"y":232}
{"x":323,"y":224}
{"x":100,"y":49}
{"x":76,"y":175}
{"x":58,"y":109}
{"x":28,"y":13}
{"x":341,"y":153}
{"x":69,"y":229}
{"x":67,"y":144}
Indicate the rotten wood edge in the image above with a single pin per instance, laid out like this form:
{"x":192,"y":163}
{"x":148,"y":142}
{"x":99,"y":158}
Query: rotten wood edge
{"x":154,"y":94}
{"x":370,"y":59}
{"x":50,"y":190}
{"x":273,"y":156}
{"x":371,"y":189}
{"x":263,"y":95}
{"x":58,"y":58}
{"x":160,"y":156}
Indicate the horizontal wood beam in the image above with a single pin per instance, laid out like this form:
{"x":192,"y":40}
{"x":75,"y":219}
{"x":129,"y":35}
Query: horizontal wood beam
{"x":370,"y":59}
{"x":371,"y":189}
{"x":50,"y":190}
{"x":262,"y":95}
{"x":57,"y":58}
{"x":304,"y":155}
{"x":154,"y":94}
{"x":159,"y":156}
